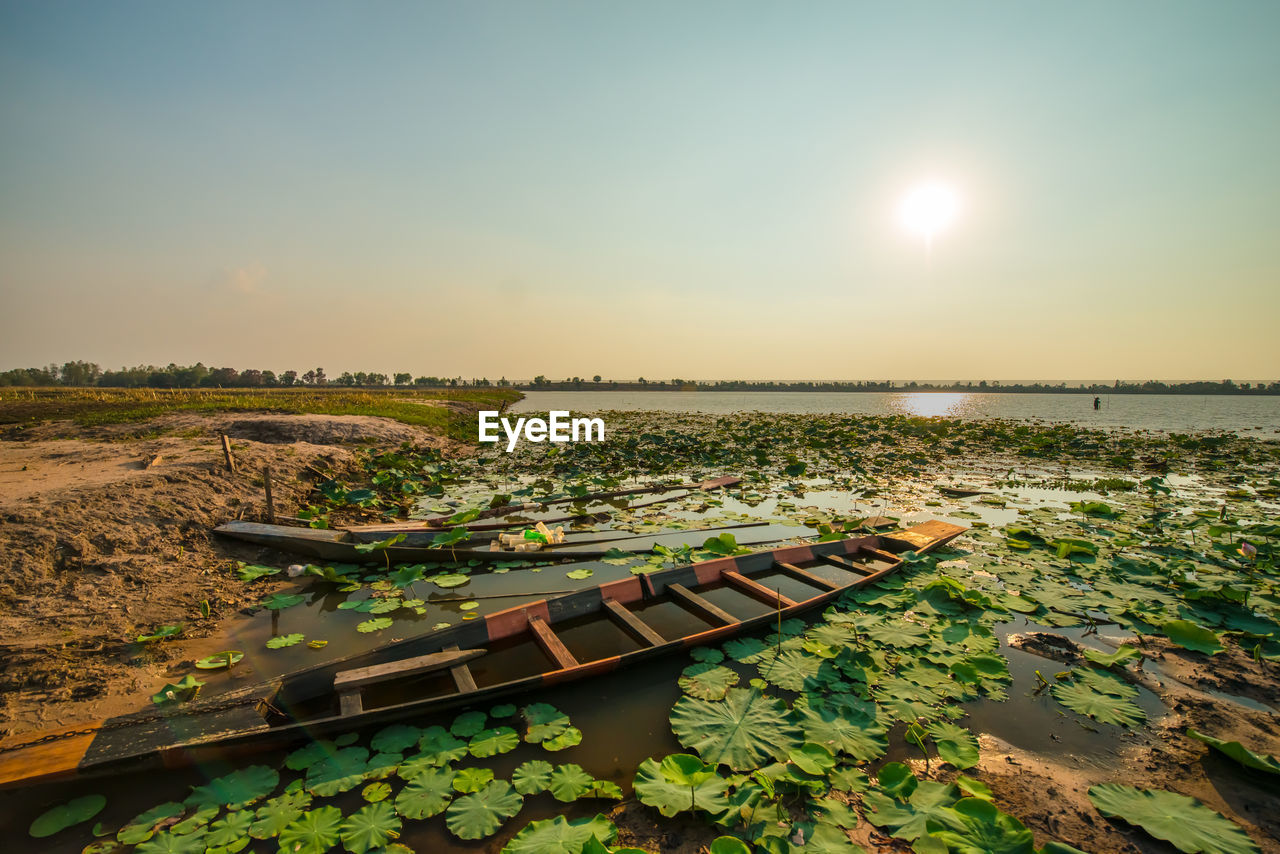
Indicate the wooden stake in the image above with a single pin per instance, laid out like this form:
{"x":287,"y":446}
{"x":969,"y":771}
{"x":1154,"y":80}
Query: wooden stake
{"x":226,"y":451}
{"x":271,"y":507}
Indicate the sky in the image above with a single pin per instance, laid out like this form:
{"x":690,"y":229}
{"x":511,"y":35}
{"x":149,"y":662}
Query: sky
{"x":663,"y":189}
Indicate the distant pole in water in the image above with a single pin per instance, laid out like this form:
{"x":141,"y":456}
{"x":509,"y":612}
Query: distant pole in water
{"x":1097,"y":403}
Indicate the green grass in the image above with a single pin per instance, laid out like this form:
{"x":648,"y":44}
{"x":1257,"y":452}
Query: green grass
{"x":90,"y":407}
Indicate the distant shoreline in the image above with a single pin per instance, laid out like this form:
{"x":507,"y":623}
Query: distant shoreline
{"x":1201,"y":389}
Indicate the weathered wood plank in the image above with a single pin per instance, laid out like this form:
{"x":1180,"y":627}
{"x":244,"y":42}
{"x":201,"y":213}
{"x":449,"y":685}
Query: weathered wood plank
{"x":551,"y":644}
{"x":358,"y":677}
{"x":698,"y":603}
{"x":350,"y":703}
{"x":846,"y":564}
{"x":46,"y":760}
{"x":756,"y":589}
{"x":461,"y":674}
{"x":632,"y":624}
{"x":883,"y":555}
{"x":805,"y":575}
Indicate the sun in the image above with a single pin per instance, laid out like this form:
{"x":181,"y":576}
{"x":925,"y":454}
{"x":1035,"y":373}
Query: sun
{"x":929,"y":209}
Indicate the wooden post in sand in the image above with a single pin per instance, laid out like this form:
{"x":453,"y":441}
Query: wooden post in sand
{"x":271,"y":507}
{"x":226,"y":451}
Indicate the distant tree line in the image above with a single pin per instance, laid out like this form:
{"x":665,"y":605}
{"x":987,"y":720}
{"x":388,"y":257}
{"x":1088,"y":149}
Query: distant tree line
{"x":199,"y":376}
{"x":541,"y":383}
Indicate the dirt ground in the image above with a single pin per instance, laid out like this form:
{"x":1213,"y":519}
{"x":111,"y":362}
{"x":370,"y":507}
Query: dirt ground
{"x":107,"y":534}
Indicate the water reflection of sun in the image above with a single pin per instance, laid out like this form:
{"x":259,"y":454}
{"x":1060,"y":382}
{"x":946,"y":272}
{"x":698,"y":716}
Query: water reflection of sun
{"x":931,"y":403}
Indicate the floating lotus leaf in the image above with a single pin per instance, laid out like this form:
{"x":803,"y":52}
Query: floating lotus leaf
{"x":491,"y":742}
{"x":375,"y":792}
{"x":955,"y":744}
{"x":338,"y":773}
{"x":706,"y":654}
{"x":669,"y":788}
{"x":1105,"y":682}
{"x":143,"y":825}
{"x":544,"y":721}
{"x":305,"y":757}
{"x":976,"y":825}
{"x":197,"y":820}
{"x":1104,"y":708}
{"x":395,"y":738}
{"x":281,"y":641}
{"x":506,"y":710}
{"x":1239,"y":753}
{"x":745,"y":731}
{"x":479,"y":815}
{"x":280,"y":601}
{"x":173,"y":843}
{"x":812,"y":758}
{"x":377,"y":624}
{"x":220,"y":660}
{"x":1188,"y":635}
{"x":569,"y":782}
{"x":240,"y":787}
{"x":278,"y":813}
{"x":313,"y":832}
{"x":579,"y":574}
{"x":370,"y":827}
{"x":708,"y":681}
{"x":65,"y":815}
{"x":849,"y":780}
{"x":427,"y":794}
{"x":747,"y":650}
{"x":569,"y":738}
{"x":472,"y":779}
{"x":468,"y":724}
{"x":384,"y":605}
{"x":896,"y":780}
{"x":1188,"y":824}
{"x":790,"y":669}
{"x":907,"y":819}
{"x":177,"y":692}
{"x":230,"y":828}
{"x":440,"y":745}
{"x":450,"y":579}
{"x":532,"y":777}
{"x":560,"y":836}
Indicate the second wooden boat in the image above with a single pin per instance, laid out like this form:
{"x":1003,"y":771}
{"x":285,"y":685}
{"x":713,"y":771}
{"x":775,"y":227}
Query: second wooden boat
{"x":542,"y":642}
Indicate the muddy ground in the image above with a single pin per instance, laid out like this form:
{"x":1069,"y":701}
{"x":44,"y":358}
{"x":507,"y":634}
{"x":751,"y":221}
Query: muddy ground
{"x":105,"y":533}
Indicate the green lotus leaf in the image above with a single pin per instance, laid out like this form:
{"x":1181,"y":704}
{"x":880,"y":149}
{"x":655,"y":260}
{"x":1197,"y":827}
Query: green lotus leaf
{"x":842,"y":729}
{"x":707,"y":681}
{"x":544,"y":721}
{"x":276,"y":814}
{"x":375,"y":792}
{"x":143,"y":825}
{"x":828,"y":839}
{"x":1122,"y":655}
{"x":231,"y":827}
{"x":579,"y":574}
{"x":252,"y":572}
{"x":472,"y":779}
{"x":560,"y":836}
{"x":569,"y":738}
{"x":384,"y":605}
{"x":450,"y":579}
{"x":506,"y":710}
{"x":314,"y":832}
{"x":1102,"y":707}
{"x":790,"y":669}
{"x":746,"y":650}
{"x":370,"y":827}
{"x":160,"y":633}
{"x":377,"y":624}
{"x":396,"y":738}
{"x":281,"y":641}
{"x":976,"y":826}
{"x":668,"y":787}
{"x":955,"y":744}
{"x":1188,"y":635}
{"x":468,"y":724}
{"x":178,"y":692}
{"x":1185,"y":822}
{"x":220,"y":660}
{"x":237,"y":789}
{"x":569,"y":782}
{"x":427,"y":794}
{"x":832,"y":811}
{"x":896,"y":780}
{"x":532,"y":777}
{"x":65,"y":815}
{"x":812,"y":758}
{"x":197,"y":820}
{"x":907,"y":819}
{"x":442,"y":747}
{"x":280,"y":601}
{"x":491,"y":742}
{"x":338,"y":773}
{"x":304,"y":757}
{"x":728,"y":845}
{"x":1239,"y":753}
{"x":744,"y":731}
{"x":480,"y":814}
{"x":706,"y":654}
{"x":167,"y":842}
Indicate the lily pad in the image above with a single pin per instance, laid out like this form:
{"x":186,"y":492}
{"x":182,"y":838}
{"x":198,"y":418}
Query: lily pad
{"x":480,"y":814}
{"x":472,"y":779}
{"x":314,"y":832}
{"x":544,"y":721}
{"x":532,"y":777}
{"x":1188,"y":635}
{"x":491,"y":742}
{"x":1185,"y":822}
{"x":680,"y":782}
{"x":161,"y":633}
{"x":370,"y":827}
{"x":377,"y":624}
{"x":427,"y":794}
{"x":569,"y":782}
{"x":571,"y":737}
{"x":281,"y":641}
{"x":1103,"y":707}
{"x":237,"y":789}
{"x":65,"y":815}
{"x":220,"y":660}
{"x":707,"y":681}
{"x":559,"y":835}
{"x":280,"y":601}
{"x":1239,"y":753}
{"x":468,"y":724}
{"x":744,"y":731}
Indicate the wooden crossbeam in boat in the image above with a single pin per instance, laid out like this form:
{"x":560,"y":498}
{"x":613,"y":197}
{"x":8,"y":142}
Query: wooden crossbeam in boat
{"x":461,"y":674}
{"x":756,"y":589}
{"x":846,"y":564}
{"x":551,"y":644}
{"x":632,"y":624}
{"x":698,"y":603}
{"x":805,"y":575}
{"x":349,"y":683}
{"x":882,"y":555}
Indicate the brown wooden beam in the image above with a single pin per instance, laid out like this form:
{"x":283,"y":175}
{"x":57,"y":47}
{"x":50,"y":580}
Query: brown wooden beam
{"x":551,"y":644}
{"x":846,"y":564}
{"x":756,"y":589}
{"x":358,"y":677}
{"x":805,"y":575}
{"x":461,"y":674}
{"x":631,"y":624}
{"x":693,"y":600}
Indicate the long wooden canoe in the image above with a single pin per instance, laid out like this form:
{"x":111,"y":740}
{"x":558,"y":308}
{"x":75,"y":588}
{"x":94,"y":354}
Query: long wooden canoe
{"x":552,"y":640}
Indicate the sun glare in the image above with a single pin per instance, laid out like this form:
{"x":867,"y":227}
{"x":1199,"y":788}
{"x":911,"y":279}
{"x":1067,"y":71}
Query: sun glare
{"x":928,"y":210}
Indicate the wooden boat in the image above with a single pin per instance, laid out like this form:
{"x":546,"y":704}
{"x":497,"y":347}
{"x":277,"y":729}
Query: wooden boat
{"x":344,"y":545}
{"x":542,"y":642}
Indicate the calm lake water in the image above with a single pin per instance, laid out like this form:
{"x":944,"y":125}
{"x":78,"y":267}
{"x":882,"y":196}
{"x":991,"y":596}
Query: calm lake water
{"x":1256,"y":416}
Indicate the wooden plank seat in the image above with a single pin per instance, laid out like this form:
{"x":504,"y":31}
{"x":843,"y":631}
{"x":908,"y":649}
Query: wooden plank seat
{"x":349,"y":683}
{"x":631,"y":624}
{"x":698,"y":603}
{"x":551,"y":644}
{"x":756,"y":589}
{"x":846,"y":564}
{"x":807,"y":576}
